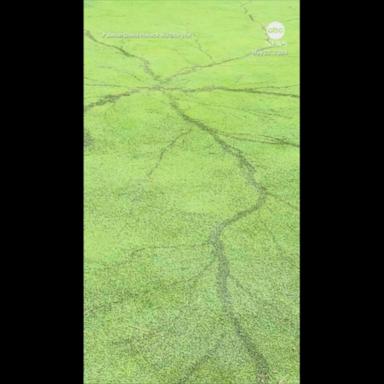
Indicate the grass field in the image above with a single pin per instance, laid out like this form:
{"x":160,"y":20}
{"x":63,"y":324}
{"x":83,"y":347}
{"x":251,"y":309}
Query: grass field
{"x":191,"y":192}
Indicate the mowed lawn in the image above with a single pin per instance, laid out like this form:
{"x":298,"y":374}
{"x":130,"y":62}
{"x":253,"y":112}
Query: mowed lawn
{"x":191,"y":119}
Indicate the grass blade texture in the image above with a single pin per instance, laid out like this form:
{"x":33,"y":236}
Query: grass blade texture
{"x":191,"y":134}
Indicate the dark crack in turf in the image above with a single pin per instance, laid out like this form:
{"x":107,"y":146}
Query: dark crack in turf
{"x":230,"y":145}
{"x":223,"y":272}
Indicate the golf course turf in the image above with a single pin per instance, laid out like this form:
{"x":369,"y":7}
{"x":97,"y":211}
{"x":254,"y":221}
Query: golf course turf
{"x":191,"y":205}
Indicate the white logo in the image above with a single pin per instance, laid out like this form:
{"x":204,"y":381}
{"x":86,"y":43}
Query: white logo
{"x":275,"y":30}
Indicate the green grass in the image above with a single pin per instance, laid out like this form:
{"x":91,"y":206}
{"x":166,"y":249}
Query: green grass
{"x":191,"y":194}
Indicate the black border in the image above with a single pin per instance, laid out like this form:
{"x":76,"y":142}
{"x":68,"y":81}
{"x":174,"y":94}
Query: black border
{"x":52,"y":306}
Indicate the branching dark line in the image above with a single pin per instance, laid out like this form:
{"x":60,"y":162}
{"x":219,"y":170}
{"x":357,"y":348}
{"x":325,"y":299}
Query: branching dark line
{"x":279,"y":198}
{"x":165,"y":150}
{"x":119,"y":49}
{"x":279,"y":248}
{"x":241,"y":286}
{"x":261,"y":366}
{"x":158,"y":247}
{"x":126,"y":296}
{"x":200,"y":362}
{"x":196,"y":68}
{"x":247,"y":168}
{"x":273,"y":140}
{"x":145,"y":63}
{"x":200,"y":48}
{"x":224,"y":107}
{"x":113,"y":98}
{"x":106,"y":85}
{"x":279,"y":141}
{"x":240,"y":90}
{"x":215,"y":238}
{"x":109,"y":99}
